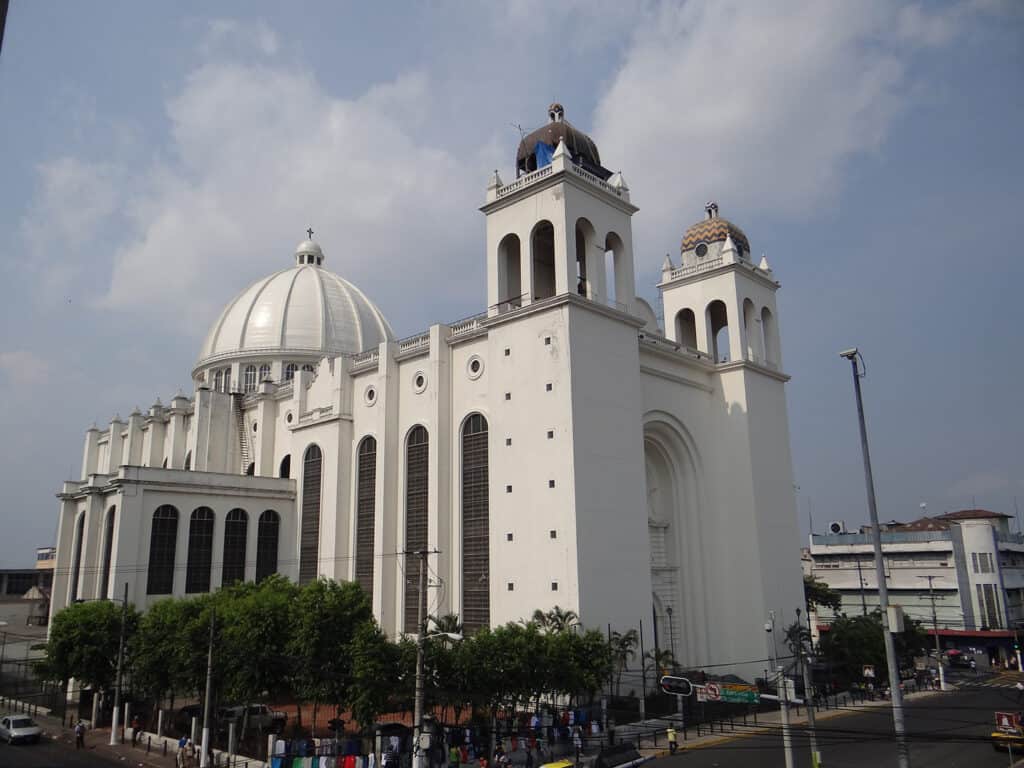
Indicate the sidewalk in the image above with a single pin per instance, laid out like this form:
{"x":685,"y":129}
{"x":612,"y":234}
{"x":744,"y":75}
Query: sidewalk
{"x":654,"y":743}
{"x":161,"y":750}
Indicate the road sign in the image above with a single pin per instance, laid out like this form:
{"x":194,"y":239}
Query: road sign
{"x":1008,"y":722}
{"x":739,"y":694}
{"x":713,"y":692}
{"x":679,"y":686}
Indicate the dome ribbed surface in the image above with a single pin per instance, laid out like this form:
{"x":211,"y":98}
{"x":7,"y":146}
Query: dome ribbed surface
{"x":714,"y":230}
{"x":302,"y":309}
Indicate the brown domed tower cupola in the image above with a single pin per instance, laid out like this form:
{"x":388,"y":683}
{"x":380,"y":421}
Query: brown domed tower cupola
{"x":537,"y":147}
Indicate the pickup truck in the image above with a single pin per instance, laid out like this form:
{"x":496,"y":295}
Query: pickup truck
{"x":260,"y":717}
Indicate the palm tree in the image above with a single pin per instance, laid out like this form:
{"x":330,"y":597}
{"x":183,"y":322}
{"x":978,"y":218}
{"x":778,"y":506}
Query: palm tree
{"x":559,"y":620}
{"x":662,"y":660}
{"x":449,"y":623}
{"x":623,"y":647}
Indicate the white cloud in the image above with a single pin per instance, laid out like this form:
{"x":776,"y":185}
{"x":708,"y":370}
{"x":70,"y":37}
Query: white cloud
{"x":760,"y":105}
{"x":224,"y":34}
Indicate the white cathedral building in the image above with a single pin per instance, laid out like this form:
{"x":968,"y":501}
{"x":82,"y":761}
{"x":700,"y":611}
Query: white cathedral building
{"x":557,"y":449}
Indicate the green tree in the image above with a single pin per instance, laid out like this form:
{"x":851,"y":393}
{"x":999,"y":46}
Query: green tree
{"x":818,"y":593}
{"x":158,"y":654}
{"x":662,"y":660}
{"x":623,"y":648}
{"x":850,"y":643}
{"x":326,"y":617}
{"x":375,"y":674}
{"x":449,"y":623}
{"x":83,"y":643}
{"x":556,"y":620}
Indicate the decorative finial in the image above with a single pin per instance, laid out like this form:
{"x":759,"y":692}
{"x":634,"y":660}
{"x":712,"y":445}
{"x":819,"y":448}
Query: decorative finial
{"x":310,"y":233}
{"x":711,"y":210}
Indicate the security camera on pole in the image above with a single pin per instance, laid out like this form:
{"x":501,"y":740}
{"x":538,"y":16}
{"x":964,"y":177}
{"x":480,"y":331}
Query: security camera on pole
{"x":902,"y":751}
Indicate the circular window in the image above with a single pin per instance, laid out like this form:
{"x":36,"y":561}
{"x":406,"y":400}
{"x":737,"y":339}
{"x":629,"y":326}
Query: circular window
{"x":419,"y":382}
{"x":370,"y":395}
{"x":254,"y":426}
{"x":288,"y":418}
{"x":475,"y":367}
{"x":701,"y":250}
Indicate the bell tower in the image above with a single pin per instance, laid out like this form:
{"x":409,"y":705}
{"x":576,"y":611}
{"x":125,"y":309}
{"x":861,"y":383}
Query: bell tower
{"x":562,"y":226}
{"x":717,"y":301}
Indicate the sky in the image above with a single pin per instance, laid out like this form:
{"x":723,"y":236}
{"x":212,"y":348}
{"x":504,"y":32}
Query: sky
{"x":157,"y":158}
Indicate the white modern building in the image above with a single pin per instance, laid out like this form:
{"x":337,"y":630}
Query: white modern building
{"x":967,"y":562}
{"x":559,"y":448}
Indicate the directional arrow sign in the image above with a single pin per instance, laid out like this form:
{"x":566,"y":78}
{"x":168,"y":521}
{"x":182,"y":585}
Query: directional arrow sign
{"x":680,"y":686}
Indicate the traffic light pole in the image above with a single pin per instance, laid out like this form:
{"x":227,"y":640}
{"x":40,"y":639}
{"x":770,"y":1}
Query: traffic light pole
{"x":935,"y":628}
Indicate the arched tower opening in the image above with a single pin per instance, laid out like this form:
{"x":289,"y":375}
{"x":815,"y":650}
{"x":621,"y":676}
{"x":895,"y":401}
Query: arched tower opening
{"x":542,"y":252}
{"x":585,"y":271}
{"x":752,"y":331}
{"x":771,"y":337}
{"x":718,"y":331}
{"x":686,"y":328}
{"x":510,"y":286}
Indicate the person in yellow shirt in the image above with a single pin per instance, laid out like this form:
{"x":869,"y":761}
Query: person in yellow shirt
{"x":670,"y":732}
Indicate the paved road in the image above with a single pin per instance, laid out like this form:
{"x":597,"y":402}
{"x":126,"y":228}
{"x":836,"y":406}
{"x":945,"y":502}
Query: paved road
{"x":50,"y":754}
{"x":947,"y":731}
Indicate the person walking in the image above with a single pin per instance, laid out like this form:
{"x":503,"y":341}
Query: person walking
{"x":1020,"y":690}
{"x":670,"y":734}
{"x":577,"y":742}
{"x":974,"y":666}
{"x":79,"y":735}
{"x":454,"y":758}
{"x":135,"y":730}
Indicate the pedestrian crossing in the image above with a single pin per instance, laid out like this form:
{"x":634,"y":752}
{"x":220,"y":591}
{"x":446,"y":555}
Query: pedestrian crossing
{"x":992,"y":683}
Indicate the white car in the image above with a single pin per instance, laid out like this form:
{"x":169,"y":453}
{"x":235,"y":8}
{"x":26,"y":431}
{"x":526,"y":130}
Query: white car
{"x":15,"y":728}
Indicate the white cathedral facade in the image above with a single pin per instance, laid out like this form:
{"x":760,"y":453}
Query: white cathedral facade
{"x":557,"y":449}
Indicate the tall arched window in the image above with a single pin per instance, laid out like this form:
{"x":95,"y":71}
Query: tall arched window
{"x":286,"y":467}
{"x":476,"y":592}
{"x":542,"y":252}
{"x":76,"y":561}
{"x":509,"y":274}
{"x":188,"y":460}
{"x":163,"y":539}
{"x":417,"y":447}
{"x":227,"y":380}
{"x":366,"y":501}
{"x":236,"y":528}
{"x":308,"y":367}
{"x":718,"y":331}
{"x":264,"y":371}
{"x":108,"y":551}
{"x":771,"y":337}
{"x":289,"y":371}
{"x":686,"y":328}
{"x":218,"y":381}
{"x":250,"y":378}
{"x":200,"y":551}
{"x":266,"y":544}
{"x":309,"y":543}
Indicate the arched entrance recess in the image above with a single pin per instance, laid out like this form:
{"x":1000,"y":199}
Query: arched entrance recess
{"x":674,"y":503}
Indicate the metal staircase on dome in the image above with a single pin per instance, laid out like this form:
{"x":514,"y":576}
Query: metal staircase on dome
{"x":243,"y":438}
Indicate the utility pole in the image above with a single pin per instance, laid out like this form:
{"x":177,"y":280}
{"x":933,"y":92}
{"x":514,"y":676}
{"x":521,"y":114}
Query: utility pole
{"x":205,"y":756}
{"x":860,"y":581}
{"x":114,"y":730}
{"x":805,"y":665}
{"x":902,"y":751}
{"x":935,"y":627}
{"x":421,"y":625}
{"x":780,"y":673}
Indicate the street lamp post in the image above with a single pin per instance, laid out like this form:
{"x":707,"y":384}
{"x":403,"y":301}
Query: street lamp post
{"x":902,"y":751}
{"x":935,"y":627}
{"x":115,"y":719}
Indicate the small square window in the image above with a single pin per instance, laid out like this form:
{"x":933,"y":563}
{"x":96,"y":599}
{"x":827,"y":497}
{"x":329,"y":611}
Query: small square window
{"x":510,"y":587}
{"x":554,"y":534}
{"x":508,"y":489}
{"x":551,"y":483}
{"x":508,"y":351}
{"x":554,"y":586}
{"x":547,"y":386}
{"x":508,"y":395}
{"x":508,"y":441}
{"x":551,"y":434}
{"x":547,"y":341}
{"x":508,"y":537}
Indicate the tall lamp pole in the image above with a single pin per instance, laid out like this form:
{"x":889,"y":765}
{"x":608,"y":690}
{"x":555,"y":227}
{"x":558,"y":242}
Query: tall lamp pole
{"x":902,"y":751}
{"x":204,"y":758}
{"x":115,"y":720}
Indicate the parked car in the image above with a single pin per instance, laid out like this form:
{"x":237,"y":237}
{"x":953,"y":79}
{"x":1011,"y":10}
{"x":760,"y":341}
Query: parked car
{"x":260,"y":716}
{"x":15,"y":728}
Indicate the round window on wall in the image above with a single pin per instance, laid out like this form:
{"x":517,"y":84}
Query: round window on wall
{"x":701,"y":250}
{"x":475,"y":367}
{"x":419,"y":382}
{"x":370,"y":395}
{"x":288,"y":418}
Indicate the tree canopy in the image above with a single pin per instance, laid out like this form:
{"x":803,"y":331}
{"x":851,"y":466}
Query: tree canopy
{"x":818,"y":593}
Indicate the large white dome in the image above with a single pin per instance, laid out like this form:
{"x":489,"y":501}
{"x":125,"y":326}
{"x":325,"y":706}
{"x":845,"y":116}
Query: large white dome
{"x":303,"y":310}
